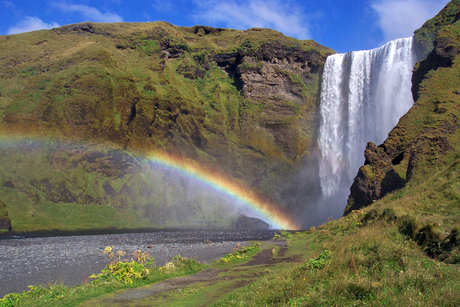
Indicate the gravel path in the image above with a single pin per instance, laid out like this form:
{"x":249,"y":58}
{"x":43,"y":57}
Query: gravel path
{"x":71,"y":259}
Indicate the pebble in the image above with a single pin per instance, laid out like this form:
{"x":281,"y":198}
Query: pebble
{"x":70,"y":260}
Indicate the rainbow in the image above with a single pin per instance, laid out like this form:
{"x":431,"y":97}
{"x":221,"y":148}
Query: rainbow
{"x":192,"y":169}
{"x":266,"y":211}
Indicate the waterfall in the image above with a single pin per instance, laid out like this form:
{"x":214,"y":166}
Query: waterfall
{"x":363,"y":95}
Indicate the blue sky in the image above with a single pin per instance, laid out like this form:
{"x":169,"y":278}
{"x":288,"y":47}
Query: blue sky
{"x":343,"y":25}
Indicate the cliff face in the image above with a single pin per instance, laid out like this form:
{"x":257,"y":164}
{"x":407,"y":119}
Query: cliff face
{"x":426,"y":138}
{"x":240,"y":102}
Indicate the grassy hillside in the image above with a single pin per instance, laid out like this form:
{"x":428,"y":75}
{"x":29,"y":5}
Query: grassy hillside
{"x":68,"y":186}
{"x":242,"y":103}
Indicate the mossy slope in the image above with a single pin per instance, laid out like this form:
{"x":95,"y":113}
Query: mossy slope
{"x":240,"y":102}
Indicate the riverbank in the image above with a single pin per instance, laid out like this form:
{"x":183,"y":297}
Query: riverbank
{"x":71,"y":259}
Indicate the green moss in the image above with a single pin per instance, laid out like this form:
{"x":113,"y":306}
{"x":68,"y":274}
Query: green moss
{"x":425,"y":36}
{"x":150,"y":47}
{"x":115,"y":85}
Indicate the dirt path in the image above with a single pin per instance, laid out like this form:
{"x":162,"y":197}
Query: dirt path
{"x":200,"y":289}
{"x":70,"y":259}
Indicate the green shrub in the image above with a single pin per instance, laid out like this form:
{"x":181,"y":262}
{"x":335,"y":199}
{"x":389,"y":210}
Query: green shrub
{"x":124,"y":271}
{"x":369,"y":217}
{"x":389,"y":215}
{"x":183,"y":263}
{"x":317,"y":263}
{"x":239,"y":253}
{"x":407,"y":225}
{"x":360,"y":292}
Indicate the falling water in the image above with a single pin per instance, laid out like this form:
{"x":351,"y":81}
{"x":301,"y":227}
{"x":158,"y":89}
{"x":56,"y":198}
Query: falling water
{"x":363,"y":95}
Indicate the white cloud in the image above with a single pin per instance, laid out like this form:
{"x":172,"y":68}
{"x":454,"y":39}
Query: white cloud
{"x":30,"y":23}
{"x":400,"y":18}
{"x":275,"y":14}
{"x":91,"y":13}
{"x":8,"y":3}
{"x":163,"y":6}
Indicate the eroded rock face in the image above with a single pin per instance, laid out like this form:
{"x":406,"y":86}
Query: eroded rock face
{"x":276,"y":73}
{"x":5,"y":222}
{"x":280,"y":77}
{"x":375,"y":179}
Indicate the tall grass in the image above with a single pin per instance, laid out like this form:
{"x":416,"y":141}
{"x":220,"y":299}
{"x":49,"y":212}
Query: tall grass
{"x":351,"y":264}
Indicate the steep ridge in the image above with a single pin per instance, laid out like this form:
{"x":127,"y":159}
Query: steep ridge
{"x":425,"y":143}
{"x":242,"y":103}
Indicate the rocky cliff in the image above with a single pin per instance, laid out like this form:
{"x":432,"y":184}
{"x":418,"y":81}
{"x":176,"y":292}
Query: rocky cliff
{"x":240,"y":102}
{"x":425,"y":141}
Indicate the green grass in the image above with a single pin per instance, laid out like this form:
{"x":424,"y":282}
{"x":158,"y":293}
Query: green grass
{"x":59,"y":295}
{"x":366,"y":258}
{"x":65,"y":186}
{"x":59,"y":85}
{"x":350,"y":265}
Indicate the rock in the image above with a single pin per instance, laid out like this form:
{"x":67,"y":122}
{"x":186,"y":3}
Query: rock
{"x":276,"y":75}
{"x":191,"y":72}
{"x":376,"y":178}
{"x":439,"y":49}
{"x":255,"y":124}
{"x":245,"y":222}
{"x":5,"y":221}
{"x":424,"y":136}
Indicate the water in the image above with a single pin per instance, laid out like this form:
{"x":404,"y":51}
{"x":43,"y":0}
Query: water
{"x":71,"y":259}
{"x":363,"y":95}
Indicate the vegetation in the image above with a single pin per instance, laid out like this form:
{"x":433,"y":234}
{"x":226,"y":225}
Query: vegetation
{"x":145,"y":87}
{"x":402,"y":250}
{"x":125,"y":271}
{"x":386,"y":254}
{"x":241,"y":252}
{"x":53,"y":185}
{"x":366,"y":258}
{"x":119,"y":274}
{"x":425,"y":36}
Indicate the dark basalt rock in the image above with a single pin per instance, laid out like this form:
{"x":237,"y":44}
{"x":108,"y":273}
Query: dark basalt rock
{"x":245,"y":222}
{"x":87,"y":28}
{"x":375,"y":179}
{"x":206,"y":30}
